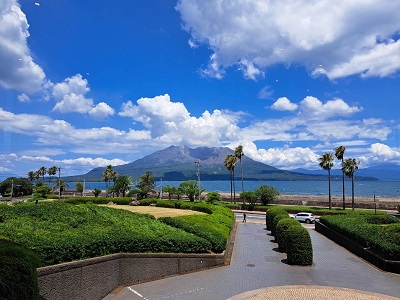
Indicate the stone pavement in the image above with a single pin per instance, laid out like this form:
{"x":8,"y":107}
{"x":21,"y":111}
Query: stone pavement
{"x":259,"y":271}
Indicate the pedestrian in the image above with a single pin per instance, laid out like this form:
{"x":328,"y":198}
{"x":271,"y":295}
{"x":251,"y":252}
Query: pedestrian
{"x":244,"y":217}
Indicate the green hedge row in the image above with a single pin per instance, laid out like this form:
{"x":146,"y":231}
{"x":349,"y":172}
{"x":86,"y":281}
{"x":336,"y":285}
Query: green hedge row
{"x":381,"y":234}
{"x":291,"y":237}
{"x":61,"y":232}
{"x":18,"y":277}
{"x":98,"y":200}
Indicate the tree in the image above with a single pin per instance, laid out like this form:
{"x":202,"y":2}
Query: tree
{"x":19,"y":186}
{"x":349,"y":166}
{"x":249,"y":197}
{"x":52,"y":171}
{"x":190,"y":189}
{"x":96,"y":192}
{"x":170,"y":190}
{"x":41,"y":192}
{"x":230,"y":162}
{"x":79,"y":187}
{"x":266,"y":193}
{"x":31,"y":176}
{"x":213,"y":197}
{"x":61,"y":185}
{"x":123,"y":184}
{"x":239,"y":154}
{"x":326,"y":163}
{"x":42,"y":171}
{"x":146,"y":184}
{"x":339,"y":153}
{"x":109,"y":175}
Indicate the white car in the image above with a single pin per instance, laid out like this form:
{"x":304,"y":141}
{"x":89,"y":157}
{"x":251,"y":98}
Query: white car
{"x":304,"y":217}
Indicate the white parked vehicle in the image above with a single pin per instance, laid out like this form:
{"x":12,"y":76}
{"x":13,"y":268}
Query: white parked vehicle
{"x":304,"y":217}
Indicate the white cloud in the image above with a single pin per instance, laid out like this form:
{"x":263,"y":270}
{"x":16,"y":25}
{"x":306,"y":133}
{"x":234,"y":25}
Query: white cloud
{"x":24,"y":98}
{"x":70,"y":96}
{"x":284,"y":103}
{"x":283,"y":158}
{"x":265,"y":93}
{"x":18,"y":71}
{"x":313,"y":107}
{"x":344,"y":37}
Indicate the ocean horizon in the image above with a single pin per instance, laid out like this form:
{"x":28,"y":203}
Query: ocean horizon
{"x":383,"y":189}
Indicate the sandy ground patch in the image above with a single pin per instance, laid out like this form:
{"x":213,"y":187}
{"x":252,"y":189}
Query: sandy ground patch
{"x":157,"y":212}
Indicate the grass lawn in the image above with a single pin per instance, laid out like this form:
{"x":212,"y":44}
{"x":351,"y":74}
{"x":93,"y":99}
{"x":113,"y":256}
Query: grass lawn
{"x":157,"y":212}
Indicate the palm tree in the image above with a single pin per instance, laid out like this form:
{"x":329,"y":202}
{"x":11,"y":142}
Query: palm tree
{"x":339,"y":153}
{"x":31,"y":175}
{"x":52,"y":171}
{"x":61,"y":185}
{"x":326,"y":163}
{"x":109,"y":175}
{"x":349,"y":166}
{"x":230,"y":162}
{"x":123,"y":184}
{"x":42,"y":171}
{"x":239,"y":154}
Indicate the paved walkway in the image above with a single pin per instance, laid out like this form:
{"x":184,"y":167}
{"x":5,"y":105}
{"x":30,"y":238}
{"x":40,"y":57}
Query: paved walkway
{"x":258,"y":271}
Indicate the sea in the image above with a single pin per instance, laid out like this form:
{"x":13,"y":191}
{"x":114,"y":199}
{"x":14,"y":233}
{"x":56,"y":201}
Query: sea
{"x":384,"y":189}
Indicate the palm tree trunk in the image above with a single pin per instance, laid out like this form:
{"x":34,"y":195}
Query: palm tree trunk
{"x":329,"y":188}
{"x":231,"y":185}
{"x":352,"y":192}
{"x":344,"y":197}
{"x":234,"y":187}
{"x":241,"y":169}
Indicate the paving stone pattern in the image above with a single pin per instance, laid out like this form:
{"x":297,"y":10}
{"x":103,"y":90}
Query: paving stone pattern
{"x":257,"y":264}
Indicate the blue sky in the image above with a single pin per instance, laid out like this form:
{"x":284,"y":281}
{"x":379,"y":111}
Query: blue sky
{"x":85,"y":84}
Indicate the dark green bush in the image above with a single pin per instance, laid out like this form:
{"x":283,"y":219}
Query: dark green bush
{"x":61,"y":232}
{"x":166,"y":203}
{"x":281,"y":231}
{"x":18,"y":277}
{"x":381,"y":219}
{"x":275,"y":221}
{"x":147,"y":201}
{"x":298,"y":246}
{"x":217,"y":240}
{"x":380,"y":237}
{"x":98,"y":200}
{"x":270,"y":215}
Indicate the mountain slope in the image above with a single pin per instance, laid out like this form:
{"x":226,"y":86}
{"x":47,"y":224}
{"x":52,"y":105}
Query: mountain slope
{"x":178,"y":163}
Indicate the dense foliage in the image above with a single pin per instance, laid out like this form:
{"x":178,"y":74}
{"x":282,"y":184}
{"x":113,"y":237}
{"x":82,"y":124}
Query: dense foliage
{"x":20,"y":187}
{"x":62,"y":232}
{"x":298,"y":246}
{"x":281,"y":232}
{"x":379,"y":233}
{"x":266,"y":194}
{"x":98,"y":200}
{"x":270,"y":215}
{"x":18,"y":277}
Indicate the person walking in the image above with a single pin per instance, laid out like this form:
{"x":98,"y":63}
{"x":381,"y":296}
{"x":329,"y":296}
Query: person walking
{"x":244,"y":217}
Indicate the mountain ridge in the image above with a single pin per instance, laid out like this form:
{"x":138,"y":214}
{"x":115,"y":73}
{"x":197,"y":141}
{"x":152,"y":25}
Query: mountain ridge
{"x":177,"y":163}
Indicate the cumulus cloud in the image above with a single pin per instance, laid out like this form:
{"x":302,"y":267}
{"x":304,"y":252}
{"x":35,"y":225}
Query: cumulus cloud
{"x":284,"y":103}
{"x":313,"y":107}
{"x":171,"y":122}
{"x":337,"y":39}
{"x":18,"y":71}
{"x":70,"y":96}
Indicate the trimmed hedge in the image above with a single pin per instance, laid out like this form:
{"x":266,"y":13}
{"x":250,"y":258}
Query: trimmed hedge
{"x":270,"y":214}
{"x":98,"y":200}
{"x":299,"y":247}
{"x":276,"y":219}
{"x":369,"y":231}
{"x":18,"y":277}
{"x":281,"y":232}
{"x":62,"y":232}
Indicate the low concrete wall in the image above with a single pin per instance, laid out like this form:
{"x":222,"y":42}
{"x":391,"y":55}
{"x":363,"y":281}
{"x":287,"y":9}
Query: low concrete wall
{"x":95,"y":278}
{"x":383,"y":264}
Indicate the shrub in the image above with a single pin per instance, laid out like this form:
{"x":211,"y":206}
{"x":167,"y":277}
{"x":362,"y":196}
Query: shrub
{"x":275,"y":221}
{"x":166,"y":203}
{"x":213,"y":197}
{"x":270,"y":214}
{"x":98,"y":200}
{"x":96,"y":192}
{"x":298,"y":246}
{"x":18,"y":277}
{"x":281,"y":231}
{"x":249,"y":197}
{"x":147,"y":201}
{"x":266,"y":193}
